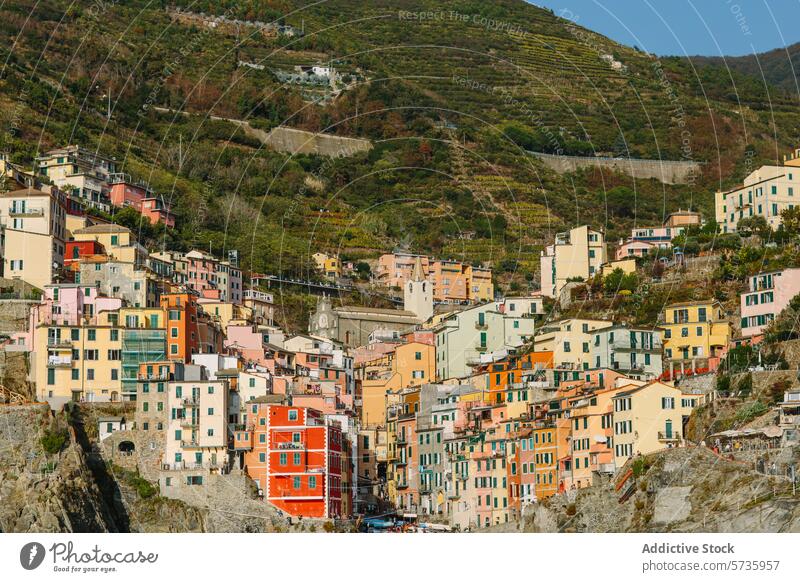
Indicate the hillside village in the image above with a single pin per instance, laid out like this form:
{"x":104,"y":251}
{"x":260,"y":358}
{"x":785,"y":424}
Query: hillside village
{"x":459,"y":408}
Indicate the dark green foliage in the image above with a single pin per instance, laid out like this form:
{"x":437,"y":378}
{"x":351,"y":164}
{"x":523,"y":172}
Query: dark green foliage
{"x":54,"y":440}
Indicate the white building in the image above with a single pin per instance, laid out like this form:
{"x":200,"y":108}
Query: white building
{"x":473,"y":336}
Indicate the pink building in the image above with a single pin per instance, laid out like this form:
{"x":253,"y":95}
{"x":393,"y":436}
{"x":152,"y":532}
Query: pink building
{"x":156,"y":210}
{"x":124,"y":192}
{"x":201,"y":269}
{"x":633,"y":248}
{"x":66,"y":304}
{"x":395,"y":269}
{"x":768,"y":295}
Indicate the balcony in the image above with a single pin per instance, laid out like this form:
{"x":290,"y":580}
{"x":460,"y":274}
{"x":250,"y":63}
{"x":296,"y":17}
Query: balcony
{"x":57,"y":362}
{"x":291,"y":446}
{"x":190,"y":444}
{"x":670,"y":437}
{"x":402,"y":485}
{"x":57,"y":342}
{"x":481,"y":326}
{"x":188,"y":421}
{"x":191,"y":402}
{"x":26,"y":212}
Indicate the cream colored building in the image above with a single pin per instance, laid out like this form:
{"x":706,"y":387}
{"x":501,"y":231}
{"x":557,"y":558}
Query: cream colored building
{"x":197,"y":433}
{"x":33,"y":222}
{"x":570,"y":340}
{"x":648,"y":418}
{"x":118,"y":242}
{"x":765,"y":192}
{"x":80,"y":171}
{"x":576,"y":254}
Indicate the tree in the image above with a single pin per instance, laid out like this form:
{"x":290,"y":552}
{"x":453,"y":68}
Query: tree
{"x":791,"y":220}
{"x":618,"y":280}
{"x":757,"y":225}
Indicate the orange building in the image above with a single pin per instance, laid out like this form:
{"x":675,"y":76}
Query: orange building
{"x":505,"y":375}
{"x":545,"y":460}
{"x":295,"y":458}
{"x":183,"y":334}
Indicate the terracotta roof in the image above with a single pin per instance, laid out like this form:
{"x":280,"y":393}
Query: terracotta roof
{"x":29,"y":192}
{"x":103,"y":228}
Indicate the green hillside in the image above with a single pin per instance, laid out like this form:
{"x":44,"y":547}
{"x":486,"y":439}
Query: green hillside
{"x":451,"y":99}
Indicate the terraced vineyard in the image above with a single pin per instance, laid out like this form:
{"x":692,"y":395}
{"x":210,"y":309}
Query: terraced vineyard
{"x":450,"y":97}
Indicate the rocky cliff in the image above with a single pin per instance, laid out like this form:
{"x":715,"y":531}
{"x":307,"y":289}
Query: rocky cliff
{"x":678,"y":490}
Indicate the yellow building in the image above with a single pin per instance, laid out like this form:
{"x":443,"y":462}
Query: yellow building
{"x":628,"y":266}
{"x":224,"y":312}
{"x":693,"y":332}
{"x":329,"y":266}
{"x":408,"y":365}
{"x":481,"y":288}
{"x":78,"y":362}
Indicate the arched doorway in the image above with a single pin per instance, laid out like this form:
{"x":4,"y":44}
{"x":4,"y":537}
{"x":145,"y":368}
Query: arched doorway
{"x":126,"y":447}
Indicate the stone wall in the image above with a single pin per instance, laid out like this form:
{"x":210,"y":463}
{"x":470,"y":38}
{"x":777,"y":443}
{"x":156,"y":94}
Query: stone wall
{"x":669,"y":172}
{"x":292,"y":141}
{"x":14,"y":315}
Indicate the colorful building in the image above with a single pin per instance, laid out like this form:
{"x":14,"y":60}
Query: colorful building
{"x":295,"y":458}
{"x":696,"y":335}
{"x":576,"y":254}
{"x":768,"y":294}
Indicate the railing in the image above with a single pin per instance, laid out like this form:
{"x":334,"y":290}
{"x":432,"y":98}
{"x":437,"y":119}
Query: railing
{"x":154,"y":377}
{"x":669,"y":436}
{"x":291,"y":446}
{"x":479,"y":325}
{"x":191,"y":402}
{"x":58,"y":343}
{"x":190,"y":444}
{"x":789,"y":420}
{"x":59,"y":362}
{"x":26,"y":212}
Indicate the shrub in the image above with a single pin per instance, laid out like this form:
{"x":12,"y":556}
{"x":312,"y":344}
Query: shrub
{"x":750,"y":411}
{"x":571,"y":509}
{"x":640,"y":466}
{"x":724,"y":385}
{"x":53,"y":440}
{"x":745,"y":386}
{"x":328,"y":527}
{"x":143,"y":487}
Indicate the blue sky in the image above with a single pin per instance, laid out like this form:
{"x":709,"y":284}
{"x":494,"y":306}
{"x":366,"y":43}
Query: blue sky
{"x":688,"y":27}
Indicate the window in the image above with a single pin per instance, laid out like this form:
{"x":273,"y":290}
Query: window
{"x":295,"y":437}
{"x":417,"y":355}
{"x":211,"y":412}
{"x":296,"y":460}
{"x":292,"y":415}
{"x":296,"y":482}
{"x":284,"y":459}
{"x":667,"y":403}
{"x":312,"y":482}
{"x":92,"y":335}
